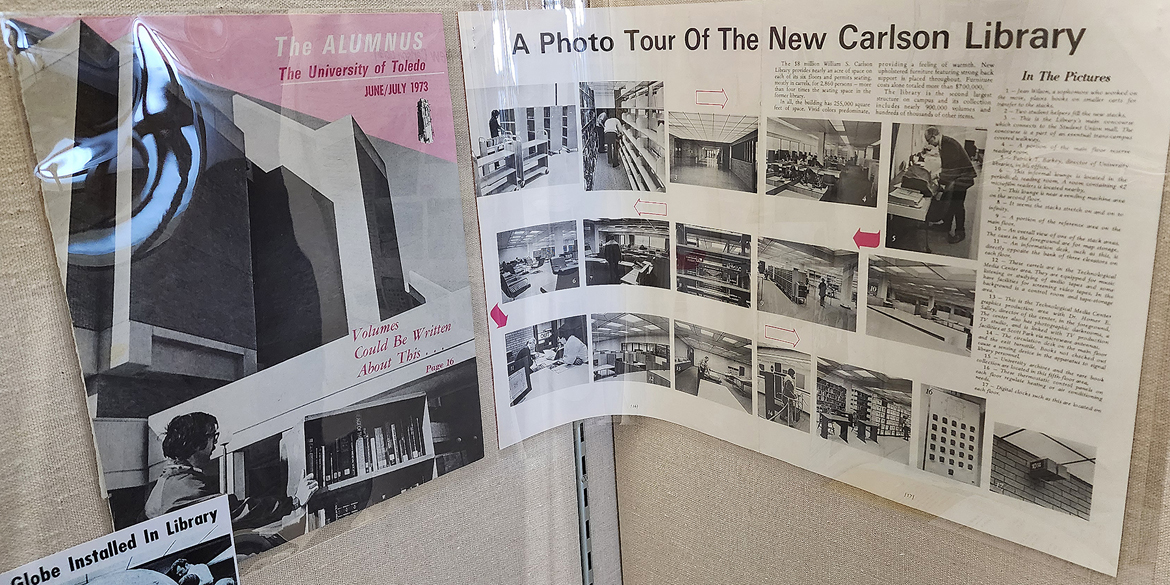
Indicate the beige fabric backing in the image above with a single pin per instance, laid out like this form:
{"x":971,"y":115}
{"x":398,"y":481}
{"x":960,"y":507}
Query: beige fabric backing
{"x":693,"y":509}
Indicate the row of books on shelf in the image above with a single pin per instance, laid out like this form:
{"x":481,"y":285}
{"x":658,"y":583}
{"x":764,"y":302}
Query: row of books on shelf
{"x":366,"y":451}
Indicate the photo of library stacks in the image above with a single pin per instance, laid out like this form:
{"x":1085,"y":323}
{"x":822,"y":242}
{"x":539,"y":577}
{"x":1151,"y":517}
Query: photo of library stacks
{"x":927,"y":305}
{"x":713,"y":150}
{"x":935,"y":194}
{"x":547,"y":357}
{"x":784,"y":395}
{"x":866,"y":409}
{"x":627,"y":251}
{"x":810,"y":283}
{"x":824,"y":160}
{"x":622,"y":136}
{"x":523,"y":136}
{"x":952,"y":438}
{"x":714,"y":264}
{"x":713,"y":365}
{"x":629,"y":347}
{"x":538,"y":259}
{"x":1048,"y":471}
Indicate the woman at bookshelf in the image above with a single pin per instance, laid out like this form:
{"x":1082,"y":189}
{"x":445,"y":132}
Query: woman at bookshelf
{"x":188,"y":443}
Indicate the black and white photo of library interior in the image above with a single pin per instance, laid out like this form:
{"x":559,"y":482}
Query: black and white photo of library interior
{"x":935,"y":193}
{"x":713,"y":365}
{"x":866,"y":409}
{"x":714,"y":264}
{"x":630,"y":347}
{"x":623,"y":137}
{"x":523,"y":136}
{"x":538,"y":259}
{"x":951,"y":441}
{"x":927,"y":305}
{"x":810,"y":283}
{"x":627,"y":251}
{"x":823,"y":160}
{"x":713,"y":150}
{"x":1048,"y":471}
{"x":547,"y":357}
{"x":783,"y":386}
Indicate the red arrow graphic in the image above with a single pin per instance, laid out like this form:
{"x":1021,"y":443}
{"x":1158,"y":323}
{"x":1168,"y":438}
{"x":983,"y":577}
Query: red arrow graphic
{"x":782,"y":335}
{"x":711,"y":97}
{"x":498,"y":316}
{"x":650,"y":208}
{"x":867,"y":239}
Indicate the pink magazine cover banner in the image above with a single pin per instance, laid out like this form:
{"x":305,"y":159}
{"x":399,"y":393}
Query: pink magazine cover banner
{"x":375,"y":67}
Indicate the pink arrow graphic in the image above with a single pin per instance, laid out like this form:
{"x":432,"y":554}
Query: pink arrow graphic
{"x":711,"y":97}
{"x":867,"y":239}
{"x":781,"y":334}
{"x":650,"y":208}
{"x":498,"y":316}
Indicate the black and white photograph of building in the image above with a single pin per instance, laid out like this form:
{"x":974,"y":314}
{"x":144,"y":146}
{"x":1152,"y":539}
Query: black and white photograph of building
{"x":824,"y":160}
{"x":524,"y":136}
{"x":714,"y":264}
{"x":623,"y":135}
{"x":538,"y":259}
{"x":810,"y":283}
{"x":951,"y":441}
{"x":713,"y":150}
{"x":713,"y":365}
{"x":864,"y":409}
{"x":1046,"y":470}
{"x":627,"y":251}
{"x":547,"y":357}
{"x":784,"y":385}
{"x":927,"y":305}
{"x":935,"y":189}
{"x":631,"y":347}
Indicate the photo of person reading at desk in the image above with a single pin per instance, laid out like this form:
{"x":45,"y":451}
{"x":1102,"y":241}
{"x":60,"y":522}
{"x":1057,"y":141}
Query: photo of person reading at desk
{"x":713,"y":365}
{"x":934,"y":202}
{"x":631,"y":347}
{"x":627,"y":251}
{"x":926,"y":305}
{"x":538,"y":259}
{"x":547,"y":357}
{"x":823,"y":160}
{"x":865,"y":409}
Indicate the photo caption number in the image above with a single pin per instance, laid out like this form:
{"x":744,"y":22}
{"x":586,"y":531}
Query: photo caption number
{"x":418,"y":86}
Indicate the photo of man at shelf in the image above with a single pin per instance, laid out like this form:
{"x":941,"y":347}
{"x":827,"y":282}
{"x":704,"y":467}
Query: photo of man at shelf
{"x":934,"y":190}
{"x":538,"y":259}
{"x":824,"y":160}
{"x":713,"y":365}
{"x":622,"y":129}
{"x":627,"y":251}
{"x":523,"y":136}
{"x":631,"y":347}
{"x":547,"y":357}
{"x":865,"y":409}
{"x":789,"y":274}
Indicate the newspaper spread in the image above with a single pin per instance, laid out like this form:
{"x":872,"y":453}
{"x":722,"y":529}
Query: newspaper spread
{"x":192,"y":546}
{"x":907,"y":248}
{"x":257,"y":224}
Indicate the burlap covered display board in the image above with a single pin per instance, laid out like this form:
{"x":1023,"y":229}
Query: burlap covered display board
{"x":693,"y":509}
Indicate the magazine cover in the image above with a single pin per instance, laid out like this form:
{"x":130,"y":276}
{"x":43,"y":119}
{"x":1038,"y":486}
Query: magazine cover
{"x":257,"y":225}
{"x":189,"y":547}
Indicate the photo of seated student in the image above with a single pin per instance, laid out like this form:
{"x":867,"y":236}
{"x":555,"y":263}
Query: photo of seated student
{"x":713,"y":365}
{"x":547,"y":357}
{"x":783,"y":386}
{"x":629,"y":347}
{"x":623,"y":141}
{"x":811,"y":283}
{"x":714,"y":264}
{"x":538,"y":259}
{"x":865,"y":409}
{"x":823,"y":160}
{"x":523,"y":136}
{"x":935,"y":192}
{"x":927,"y":305}
{"x":713,"y":150}
{"x":627,"y":251}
